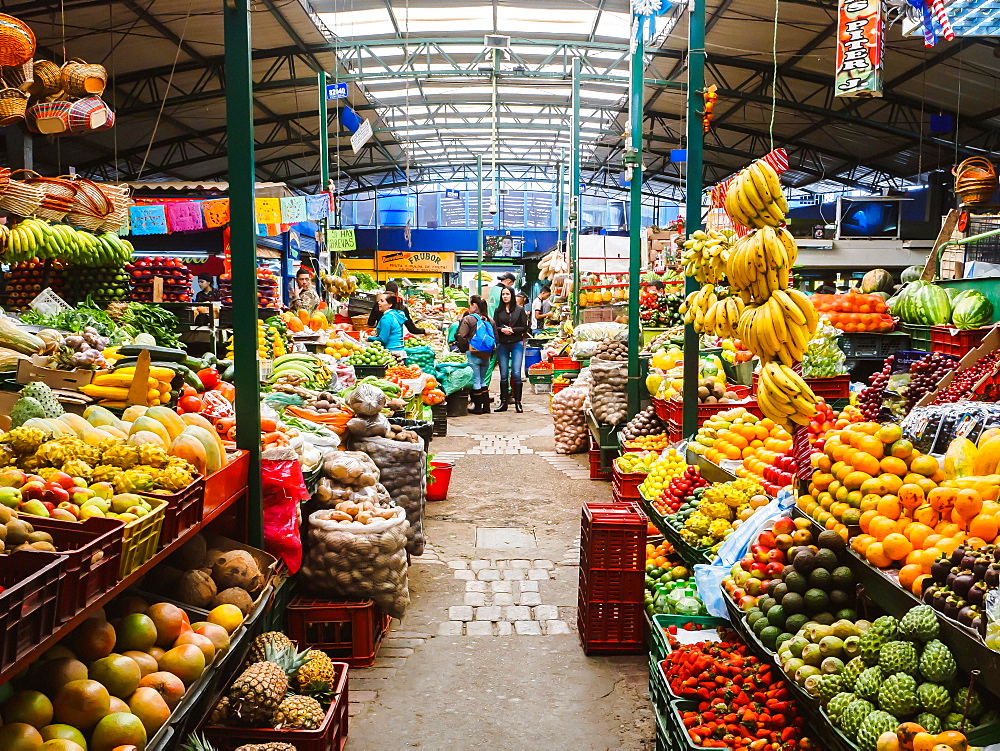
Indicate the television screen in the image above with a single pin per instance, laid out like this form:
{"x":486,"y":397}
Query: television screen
{"x":869,"y":218}
{"x":503,"y":246}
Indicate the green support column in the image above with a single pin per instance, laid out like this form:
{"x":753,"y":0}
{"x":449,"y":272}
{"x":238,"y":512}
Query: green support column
{"x":560,"y":197}
{"x":479,"y":226}
{"x":634,"y":158}
{"x":692,"y":213}
{"x":324,"y":136}
{"x":574,"y":193}
{"x":243,"y":242}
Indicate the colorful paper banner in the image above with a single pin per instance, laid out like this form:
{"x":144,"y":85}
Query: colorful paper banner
{"x":185,"y":217}
{"x":293,"y":210}
{"x":268,"y":210}
{"x":860,"y":42}
{"x":216,"y":212}
{"x":148,"y":220}
{"x":318,"y":206}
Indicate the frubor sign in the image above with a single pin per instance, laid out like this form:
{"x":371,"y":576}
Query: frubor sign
{"x":860,"y":44}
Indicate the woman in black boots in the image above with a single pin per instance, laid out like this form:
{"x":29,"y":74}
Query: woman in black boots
{"x":476,"y":337}
{"x":511,"y":322}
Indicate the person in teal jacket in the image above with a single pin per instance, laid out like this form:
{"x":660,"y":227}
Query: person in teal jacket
{"x":390,"y":325}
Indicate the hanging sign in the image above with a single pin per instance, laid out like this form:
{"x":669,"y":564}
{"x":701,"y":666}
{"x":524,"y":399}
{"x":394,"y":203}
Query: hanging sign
{"x":340,"y":240}
{"x":421,"y":262}
{"x":361,"y":136}
{"x":336,"y":91}
{"x":452,"y":193}
{"x":860,"y":42}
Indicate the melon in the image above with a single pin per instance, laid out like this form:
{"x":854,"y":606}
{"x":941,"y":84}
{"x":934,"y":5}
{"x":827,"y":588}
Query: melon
{"x":134,"y":412}
{"x":145,"y":423}
{"x":142,"y":437}
{"x":117,"y":432}
{"x":876,"y":280}
{"x":215,"y":456}
{"x":192,"y":418}
{"x":170,"y":420}
{"x":190,"y":449}
{"x":94,"y":436}
{"x":51,"y":427}
{"x":98,"y":416}
{"x":75,"y":422}
{"x":911,"y":274}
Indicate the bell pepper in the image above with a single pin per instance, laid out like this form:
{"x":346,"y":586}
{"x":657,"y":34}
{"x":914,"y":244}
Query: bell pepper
{"x":209,"y":378}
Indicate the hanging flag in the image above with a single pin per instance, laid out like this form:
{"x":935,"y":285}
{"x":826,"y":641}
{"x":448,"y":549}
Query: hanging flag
{"x":293,"y":210}
{"x":185,"y":217}
{"x":318,"y":206}
{"x":268,"y":210}
{"x":148,"y":220}
{"x":216,"y":212}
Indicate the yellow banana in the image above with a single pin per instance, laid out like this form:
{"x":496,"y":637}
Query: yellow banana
{"x":733,"y":207}
{"x":791,"y":248}
{"x":803,"y":304}
{"x":747,"y":184}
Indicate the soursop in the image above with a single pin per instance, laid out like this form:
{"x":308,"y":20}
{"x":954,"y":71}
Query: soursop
{"x":934,"y":699}
{"x":883,"y":630}
{"x":873,"y":726}
{"x":919,"y":623}
{"x":25,"y":409}
{"x":898,"y":695}
{"x":899,"y":657}
{"x":855,"y":714}
{"x":850,"y":673}
{"x":936,"y":662}
{"x":929,"y":722}
{"x":42,"y":392}
{"x":868,"y":682}
{"x":975,"y":704}
{"x":836,"y":706}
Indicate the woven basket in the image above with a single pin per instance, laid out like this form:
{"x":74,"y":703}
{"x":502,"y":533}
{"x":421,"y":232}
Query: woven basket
{"x":57,"y":199}
{"x":121,"y":196}
{"x":975,"y":180}
{"x":48,"y":118}
{"x":110,"y":123}
{"x":13,"y":105}
{"x":87,"y":114}
{"x":17,"y":41}
{"x":82,"y":79}
{"x":21,"y":198}
{"x":91,"y":205}
{"x":47,"y":78}
{"x":19,"y":77}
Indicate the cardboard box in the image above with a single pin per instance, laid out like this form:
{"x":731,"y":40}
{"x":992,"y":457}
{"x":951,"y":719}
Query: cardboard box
{"x":31,"y":370}
{"x":990,"y":344}
{"x":76,"y":405}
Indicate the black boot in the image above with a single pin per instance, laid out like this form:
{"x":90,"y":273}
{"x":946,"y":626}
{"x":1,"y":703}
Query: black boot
{"x":518,"y":388}
{"x":477,"y":404}
{"x":504,"y":391}
{"x":484,"y":400}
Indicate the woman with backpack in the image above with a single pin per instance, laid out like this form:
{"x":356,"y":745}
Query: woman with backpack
{"x":476,"y":337}
{"x":511,"y":322}
{"x":390,"y":325}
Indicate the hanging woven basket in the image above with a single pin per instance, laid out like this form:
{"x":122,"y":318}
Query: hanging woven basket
{"x":46,"y":78}
{"x":87,"y":114}
{"x":21,"y":198}
{"x":82,"y":79}
{"x":13,"y":106}
{"x":17,"y":41}
{"x":91,"y":205}
{"x":975,"y":180}
{"x":48,"y":118}
{"x":57,"y":198}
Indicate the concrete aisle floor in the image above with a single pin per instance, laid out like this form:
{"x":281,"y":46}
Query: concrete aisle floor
{"x":525,"y":684}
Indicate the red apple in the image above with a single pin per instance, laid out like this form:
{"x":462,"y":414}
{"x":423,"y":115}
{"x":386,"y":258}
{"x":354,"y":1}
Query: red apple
{"x":774,"y":569}
{"x":775,"y":556}
{"x":34,"y":490}
{"x":64,"y":515}
{"x":63,"y":479}
{"x":746,"y":602}
{"x":766,"y":538}
{"x":55,"y":494}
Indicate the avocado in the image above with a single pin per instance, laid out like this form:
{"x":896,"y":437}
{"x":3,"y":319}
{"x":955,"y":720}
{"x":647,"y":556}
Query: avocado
{"x":831,"y":540}
{"x":820,"y":579}
{"x":779,"y":591}
{"x":816,"y":601}
{"x":769,"y":636}
{"x":826,"y":559}
{"x":842,"y":577}
{"x":796,"y":582}
{"x":794,"y":623}
{"x":824,"y":618}
{"x":776,"y":616}
{"x":839,"y":599}
{"x":804,"y":561}
{"x":792,"y":603}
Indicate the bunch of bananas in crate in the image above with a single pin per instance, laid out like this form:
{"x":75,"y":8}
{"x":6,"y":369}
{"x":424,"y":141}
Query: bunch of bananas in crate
{"x":705,"y":255}
{"x":754,"y":198}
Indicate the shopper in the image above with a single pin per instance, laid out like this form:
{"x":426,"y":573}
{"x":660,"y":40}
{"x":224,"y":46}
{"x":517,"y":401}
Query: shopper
{"x":376,"y":314}
{"x":476,"y":337}
{"x":511,"y":322}
{"x":390,"y":325}
{"x":206,"y":289}
{"x":540,"y":309}
{"x":506,"y":280}
{"x":304,"y":296}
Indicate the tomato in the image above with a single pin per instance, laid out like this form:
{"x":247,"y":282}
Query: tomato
{"x":190,"y":404}
{"x":189,"y":390}
{"x":227,"y":390}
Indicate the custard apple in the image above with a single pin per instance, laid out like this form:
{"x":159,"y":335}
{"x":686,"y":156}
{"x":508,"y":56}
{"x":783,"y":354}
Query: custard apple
{"x":920,"y":623}
{"x":952,"y":721}
{"x":855,"y":714}
{"x":827,"y":687}
{"x":881,"y":631}
{"x":899,"y":657}
{"x":929,"y":722}
{"x":849,"y":675}
{"x":868,"y":682}
{"x":835,"y":708}
{"x":936,"y":662}
{"x":898,"y":695}
{"x":975,"y":705}
{"x":934,"y":699}
{"x":873,"y":726}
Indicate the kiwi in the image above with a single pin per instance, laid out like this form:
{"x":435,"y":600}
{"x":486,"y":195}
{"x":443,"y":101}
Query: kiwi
{"x":43,"y":545}
{"x":18,"y":531}
{"x":6,"y":514}
{"x":39,"y":536}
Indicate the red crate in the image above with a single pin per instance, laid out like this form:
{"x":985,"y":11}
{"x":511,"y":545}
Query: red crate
{"x":957,"y":342}
{"x":565,"y":363}
{"x":613,"y":536}
{"x":29,"y":603}
{"x":232,"y":479}
{"x":612,"y":585}
{"x":184,"y":510}
{"x":831,"y":387}
{"x":596,"y":471}
{"x":330,"y":736}
{"x":351,"y":632}
{"x":661,"y":408}
{"x":92,"y":551}
{"x":625,"y":485}
{"x":611,"y":627}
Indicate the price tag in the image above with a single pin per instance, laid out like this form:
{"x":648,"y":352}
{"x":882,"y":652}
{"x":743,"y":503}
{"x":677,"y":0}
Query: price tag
{"x":157,"y":289}
{"x":965,"y":426}
{"x":693,"y":637}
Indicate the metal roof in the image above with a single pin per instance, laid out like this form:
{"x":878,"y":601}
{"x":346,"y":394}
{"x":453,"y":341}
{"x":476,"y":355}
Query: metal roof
{"x":419,"y":71}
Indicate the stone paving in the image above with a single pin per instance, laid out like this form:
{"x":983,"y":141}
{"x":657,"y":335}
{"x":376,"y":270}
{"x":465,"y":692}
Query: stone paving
{"x":501,"y":444}
{"x":565,"y":464}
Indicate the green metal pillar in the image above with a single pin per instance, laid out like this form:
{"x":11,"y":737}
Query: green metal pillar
{"x":633,"y":158}
{"x":560,"y":199}
{"x":693,"y":186}
{"x":479,"y":226}
{"x":243,"y":242}
{"x":574,"y":194}
{"x":324,"y":136}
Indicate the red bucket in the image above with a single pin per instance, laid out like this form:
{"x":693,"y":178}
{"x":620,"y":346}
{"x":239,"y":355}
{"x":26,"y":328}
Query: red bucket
{"x":437,"y":484}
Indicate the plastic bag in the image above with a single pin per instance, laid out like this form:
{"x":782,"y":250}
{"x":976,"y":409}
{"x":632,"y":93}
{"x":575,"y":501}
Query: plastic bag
{"x":454,"y":376}
{"x":354,"y":469}
{"x":283,"y":489}
{"x":569,"y":422}
{"x":736,"y":545}
{"x":403,"y":472}
{"x":933,"y":427}
{"x":583,"y":350}
{"x":595,"y":332}
{"x":422,"y":356}
{"x":608,"y":395}
{"x":709,"y":578}
{"x":366,"y":400}
{"x":345,"y":374}
{"x":824,"y":358}
{"x":360,"y":561}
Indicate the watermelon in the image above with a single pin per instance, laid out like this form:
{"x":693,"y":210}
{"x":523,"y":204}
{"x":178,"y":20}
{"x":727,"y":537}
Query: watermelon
{"x":911,"y":274}
{"x":972,"y":311}
{"x":952,"y":293}
{"x":931,"y":305}
{"x":876,"y":280}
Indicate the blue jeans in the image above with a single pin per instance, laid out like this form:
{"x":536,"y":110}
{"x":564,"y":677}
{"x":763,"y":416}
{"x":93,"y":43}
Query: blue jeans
{"x":480,"y":367}
{"x":511,"y":357}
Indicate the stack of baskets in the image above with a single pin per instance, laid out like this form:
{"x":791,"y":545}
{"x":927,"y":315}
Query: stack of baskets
{"x":98,"y":207}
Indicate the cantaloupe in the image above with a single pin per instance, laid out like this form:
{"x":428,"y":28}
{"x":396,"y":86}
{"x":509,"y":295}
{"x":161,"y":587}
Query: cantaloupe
{"x":988,"y":458}
{"x":134,"y":412}
{"x":74,"y":421}
{"x":98,"y":416}
{"x":960,"y":458}
{"x":170,"y":420}
{"x":142,"y":437}
{"x":191,"y":449}
{"x":215,"y":458}
{"x":145,"y":423}
{"x":192,"y":418}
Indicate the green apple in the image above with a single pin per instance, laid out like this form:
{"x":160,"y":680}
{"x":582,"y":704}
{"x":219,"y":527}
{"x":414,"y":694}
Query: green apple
{"x":103,"y":489}
{"x":10,"y":496}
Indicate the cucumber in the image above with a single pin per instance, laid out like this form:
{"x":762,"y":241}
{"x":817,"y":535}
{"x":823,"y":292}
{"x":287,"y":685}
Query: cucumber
{"x":229,"y":373}
{"x":194,"y":363}
{"x":155,"y":353}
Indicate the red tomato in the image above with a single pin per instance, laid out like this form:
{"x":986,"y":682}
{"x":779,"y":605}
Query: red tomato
{"x":227,"y":390}
{"x":188,"y":391}
{"x":191,"y":404}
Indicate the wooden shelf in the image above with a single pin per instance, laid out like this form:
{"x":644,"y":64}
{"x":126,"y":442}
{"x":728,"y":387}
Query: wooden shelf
{"x":66,"y":626}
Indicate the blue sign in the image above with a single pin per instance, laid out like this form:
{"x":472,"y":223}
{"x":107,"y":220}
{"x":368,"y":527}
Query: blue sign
{"x":451,"y":193}
{"x":336,"y":91}
{"x":678,"y":155}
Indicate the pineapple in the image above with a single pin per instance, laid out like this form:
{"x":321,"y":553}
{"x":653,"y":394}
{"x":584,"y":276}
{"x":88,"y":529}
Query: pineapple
{"x":197,"y":742}
{"x":275,"y":638}
{"x":221,"y":711}
{"x":317,"y":675}
{"x":298,"y":713}
{"x":257,"y":692}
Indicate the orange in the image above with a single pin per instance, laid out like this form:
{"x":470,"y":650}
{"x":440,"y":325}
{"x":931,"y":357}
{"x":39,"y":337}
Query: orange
{"x":974,"y":542}
{"x":927,"y":558}
{"x":866,"y":519}
{"x":984,"y":526}
{"x":901,"y":449}
{"x":908,"y":574}
{"x":851,"y":517}
{"x":931,"y":541}
{"x":869,"y":502}
{"x":833,"y":487}
{"x":871,"y":446}
{"x":873,"y":485}
{"x":876,"y":556}
{"x":840,"y":470}
{"x":924,"y":465}
{"x":866,"y":463}
{"x":822,"y":480}
{"x":861,"y":543}
{"x":926,"y":515}
{"x":896,"y":546}
{"x":893,"y":465}
{"x":911,"y":495}
{"x":889,"y":507}
{"x":947,"y":545}
{"x":881,"y":527}
{"x":732,"y":452}
{"x":947,"y":529}
{"x":889,"y":433}
{"x":918,"y":584}
{"x":943,"y":499}
{"x":854,"y":498}
{"x":917,"y":533}
{"x":913,"y":557}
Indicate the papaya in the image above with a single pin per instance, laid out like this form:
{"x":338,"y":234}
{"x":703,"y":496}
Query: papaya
{"x":52,"y":427}
{"x":170,"y":420}
{"x":99,"y":416}
{"x":117,"y":432}
{"x":215,"y":458}
{"x":191,"y":449}
{"x":960,"y":458}
{"x":192,"y":418}
{"x":134,"y":412}
{"x":142,"y":437}
{"x":988,"y":457}
{"x":93,"y":436}
{"x":145,"y":423}
{"x":987,"y":435}
{"x":74,"y":421}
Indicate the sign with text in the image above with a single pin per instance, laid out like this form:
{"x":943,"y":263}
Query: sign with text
{"x":860,"y":44}
{"x":336,"y":91}
{"x":452,"y":193}
{"x":340,"y":239}
{"x":422,"y":262}
{"x":361,"y":136}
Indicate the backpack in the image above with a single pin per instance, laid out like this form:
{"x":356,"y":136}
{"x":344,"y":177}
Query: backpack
{"x":484,"y":340}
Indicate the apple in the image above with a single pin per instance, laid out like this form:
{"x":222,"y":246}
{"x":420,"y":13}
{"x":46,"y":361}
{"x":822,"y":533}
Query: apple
{"x":63,"y":479}
{"x":11,"y":477}
{"x":774,"y":569}
{"x":759,"y":554}
{"x":103,"y":490}
{"x":56,"y":493}
{"x":49,"y":505}
{"x":10,"y":496}
{"x":63,"y":515}
{"x":766,"y":539}
{"x":90,"y":510}
{"x":783,"y":526}
{"x":69,"y":506}
{"x":775,"y":556}
{"x":746,"y":602}
{"x":34,"y":490}
{"x":34,"y":507}
{"x":80,"y":494}
{"x":754,"y":586}
{"x":758,"y":569}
